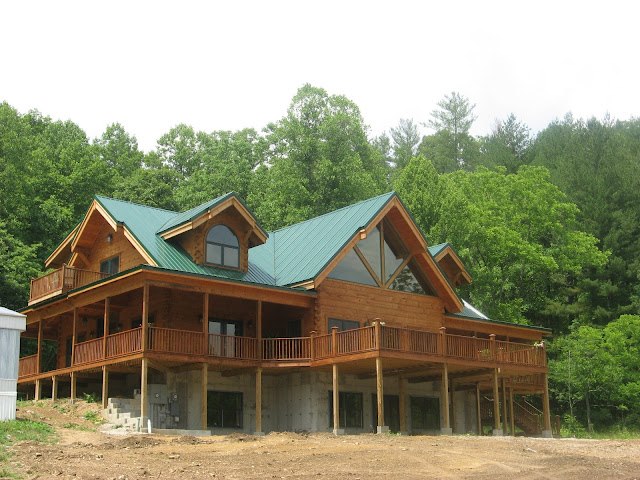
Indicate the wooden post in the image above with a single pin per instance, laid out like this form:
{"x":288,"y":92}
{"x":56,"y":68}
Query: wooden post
{"x":442,"y":347}
{"x":496,"y":404}
{"x":39,"y":357}
{"x":105,"y":328}
{"x":259,"y":329}
{"x":145,"y":317}
{"x":312,"y":347}
{"x":402,"y":400}
{"x":505,"y":416}
{"x":144,"y":414}
{"x":513,"y":417}
{"x":478,"y":409}
{"x":73,"y":387}
{"x":259,"y":402}
{"x":334,"y":341}
{"x":444,"y":400}
{"x":492,"y":345}
{"x":204,"y":383}
{"x":452,"y":395}
{"x":105,"y":386}
{"x":205,"y":326}
{"x":336,"y":402}
{"x":36,"y":393}
{"x":377,"y":329}
{"x":382,"y":428}
{"x":73,"y":337}
{"x":546,"y":410}
{"x":54,"y":388}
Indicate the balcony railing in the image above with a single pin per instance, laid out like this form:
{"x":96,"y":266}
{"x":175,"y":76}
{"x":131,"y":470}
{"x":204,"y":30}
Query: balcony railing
{"x":303,"y":349}
{"x":62,"y":280}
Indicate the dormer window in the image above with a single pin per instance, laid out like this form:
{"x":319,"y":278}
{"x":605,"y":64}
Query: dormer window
{"x":222,"y":247}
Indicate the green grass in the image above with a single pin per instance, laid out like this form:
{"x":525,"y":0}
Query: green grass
{"x":14,"y":431}
{"x":93,"y":417}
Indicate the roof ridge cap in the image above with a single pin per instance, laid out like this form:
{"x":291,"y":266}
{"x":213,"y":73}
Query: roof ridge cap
{"x":390,"y":193}
{"x":97,"y":197}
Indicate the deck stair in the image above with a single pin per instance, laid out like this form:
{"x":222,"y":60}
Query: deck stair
{"x":527,"y":417}
{"x":124,"y":412}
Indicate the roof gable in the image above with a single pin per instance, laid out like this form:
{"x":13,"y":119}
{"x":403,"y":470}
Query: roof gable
{"x":185,"y":221}
{"x":450,"y":263}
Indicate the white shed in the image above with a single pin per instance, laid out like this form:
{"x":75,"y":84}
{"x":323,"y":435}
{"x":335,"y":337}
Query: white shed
{"x":11,"y":325}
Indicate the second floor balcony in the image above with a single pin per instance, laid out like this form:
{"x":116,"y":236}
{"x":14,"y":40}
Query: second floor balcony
{"x":60,"y":281}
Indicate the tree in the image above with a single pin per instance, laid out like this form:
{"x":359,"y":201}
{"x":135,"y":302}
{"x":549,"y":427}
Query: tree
{"x":405,"y":142}
{"x":18,"y":264}
{"x":119,"y":150}
{"x":507,"y":146}
{"x":455,"y":116}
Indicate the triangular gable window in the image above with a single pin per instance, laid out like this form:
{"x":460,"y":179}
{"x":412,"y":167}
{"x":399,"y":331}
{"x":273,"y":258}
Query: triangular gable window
{"x":382,"y":260}
{"x":352,"y":269}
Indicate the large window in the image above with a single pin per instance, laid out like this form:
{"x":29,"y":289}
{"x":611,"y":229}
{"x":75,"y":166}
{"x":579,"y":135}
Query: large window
{"x":350,"y":409}
{"x":222,"y":247}
{"x":425,"y":413}
{"x":224,"y":409}
{"x":381,"y":259}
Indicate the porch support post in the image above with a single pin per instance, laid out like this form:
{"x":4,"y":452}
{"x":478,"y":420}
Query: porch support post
{"x":336,"y":403}
{"x":54,"y":388}
{"x":382,"y":428}
{"x":444,"y":401}
{"x":39,"y":357}
{"x":73,"y":336}
{"x":513,"y":417}
{"x":144,"y":414}
{"x":402,"y":399}
{"x":105,"y":386}
{"x":36,"y":394}
{"x":546,"y":411}
{"x":259,"y":328}
{"x":204,"y":383}
{"x":145,"y":317}
{"x":452,"y":386}
{"x":497,"y":431}
{"x":105,"y":327}
{"x":205,"y":326}
{"x":259,"y":402}
{"x":478,"y":409}
{"x":73,"y":387}
{"x":505,"y":413}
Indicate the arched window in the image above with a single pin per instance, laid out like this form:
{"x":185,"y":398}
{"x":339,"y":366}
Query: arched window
{"x":223,"y":247}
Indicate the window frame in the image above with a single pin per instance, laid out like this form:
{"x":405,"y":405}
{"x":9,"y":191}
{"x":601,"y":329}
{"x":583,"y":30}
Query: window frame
{"x":343,"y":413}
{"x":239,"y":411}
{"x":222,"y":246}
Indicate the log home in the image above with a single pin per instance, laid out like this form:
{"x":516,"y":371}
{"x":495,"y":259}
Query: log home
{"x":347,"y":322}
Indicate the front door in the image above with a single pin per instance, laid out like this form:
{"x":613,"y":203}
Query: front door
{"x":221,"y":338}
{"x":391,"y":412}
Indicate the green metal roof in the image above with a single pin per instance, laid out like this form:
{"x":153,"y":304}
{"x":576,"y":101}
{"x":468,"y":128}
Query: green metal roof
{"x":193,"y":213}
{"x":300,"y":252}
{"x":436,"y":249}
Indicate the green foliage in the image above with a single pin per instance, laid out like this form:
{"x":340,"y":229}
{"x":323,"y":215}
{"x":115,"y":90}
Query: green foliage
{"x":90,"y":398}
{"x":93,"y":416}
{"x":405,"y":142}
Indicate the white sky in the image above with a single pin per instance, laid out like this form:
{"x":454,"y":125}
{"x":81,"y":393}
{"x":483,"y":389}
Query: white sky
{"x":236,"y":64}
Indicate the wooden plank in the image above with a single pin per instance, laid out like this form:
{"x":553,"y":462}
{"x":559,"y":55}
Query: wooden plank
{"x":505,"y":418}
{"x":107,"y":313}
{"x":478,"y":410}
{"x":144,"y":414}
{"x":145,"y":317}
{"x":513,"y":417}
{"x":258,"y":400}
{"x":402,"y":399}
{"x":336,"y":400}
{"x":105,"y":386}
{"x":73,"y":387}
{"x":546,"y":409}
{"x":204,"y":383}
{"x":444,"y":392}
{"x":54,"y":388}
{"x":496,"y":401}
{"x":380,"y":392}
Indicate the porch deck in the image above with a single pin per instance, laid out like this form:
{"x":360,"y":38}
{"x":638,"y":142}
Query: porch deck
{"x":60,"y":281}
{"x":301,"y":351}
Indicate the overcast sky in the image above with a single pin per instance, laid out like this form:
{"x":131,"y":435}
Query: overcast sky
{"x":236,"y":64}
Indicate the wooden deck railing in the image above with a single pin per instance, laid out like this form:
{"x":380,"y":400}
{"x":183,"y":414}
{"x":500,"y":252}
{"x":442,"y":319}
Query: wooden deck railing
{"x":28,"y":366}
{"x":286,"y":348}
{"x":242,"y":348}
{"x":124,"y":343}
{"x":169,"y":340}
{"x":316,"y":347}
{"x":89,"y":351}
{"x":62,"y":280}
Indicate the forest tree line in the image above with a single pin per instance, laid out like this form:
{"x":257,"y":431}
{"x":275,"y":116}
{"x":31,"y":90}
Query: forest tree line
{"x":548,"y":225}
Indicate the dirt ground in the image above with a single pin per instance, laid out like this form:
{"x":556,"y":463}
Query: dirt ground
{"x":82,"y":451}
